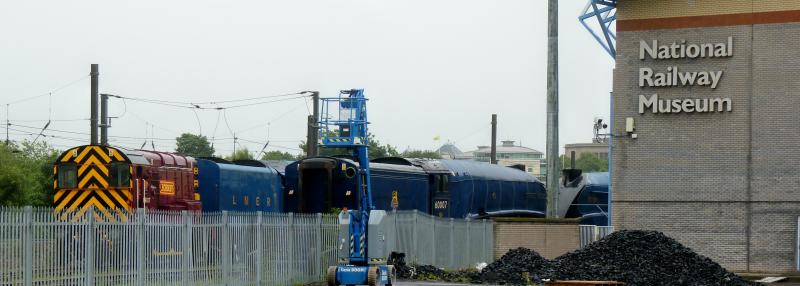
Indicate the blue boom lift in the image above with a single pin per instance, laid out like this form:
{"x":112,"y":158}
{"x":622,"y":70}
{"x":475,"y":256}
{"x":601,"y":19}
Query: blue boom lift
{"x":362,"y":254}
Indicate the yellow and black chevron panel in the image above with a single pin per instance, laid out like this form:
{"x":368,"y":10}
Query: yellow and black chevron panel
{"x":85,"y":172}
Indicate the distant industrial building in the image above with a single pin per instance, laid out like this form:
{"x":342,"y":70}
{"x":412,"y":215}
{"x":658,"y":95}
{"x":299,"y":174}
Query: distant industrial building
{"x":451,"y":152}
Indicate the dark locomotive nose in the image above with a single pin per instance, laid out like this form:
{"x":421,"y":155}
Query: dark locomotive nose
{"x":314,"y":182}
{"x":323,"y":185}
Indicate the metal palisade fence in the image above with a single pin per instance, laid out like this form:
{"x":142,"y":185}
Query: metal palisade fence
{"x":444,"y":242}
{"x":38,"y":246}
{"x":592,"y":233}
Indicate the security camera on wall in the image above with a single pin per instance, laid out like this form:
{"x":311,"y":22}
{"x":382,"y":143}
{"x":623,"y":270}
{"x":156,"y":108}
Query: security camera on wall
{"x":630,"y":127}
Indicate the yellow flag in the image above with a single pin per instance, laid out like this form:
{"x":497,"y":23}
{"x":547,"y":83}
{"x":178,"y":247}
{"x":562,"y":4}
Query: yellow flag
{"x":436,"y":138}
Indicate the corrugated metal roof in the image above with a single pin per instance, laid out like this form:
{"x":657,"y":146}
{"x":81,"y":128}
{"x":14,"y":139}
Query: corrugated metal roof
{"x":507,"y":149}
{"x":136,"y":157}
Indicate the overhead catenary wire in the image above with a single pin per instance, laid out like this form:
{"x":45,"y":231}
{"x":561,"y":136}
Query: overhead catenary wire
{"x":216,"y":105}
{"x":49,"y":93}
{"x":53,"y":120}
{"x":273,"y":120}
{"x":127,"y":141}
{"x":271,"y":145}
{"x":147,"y":137}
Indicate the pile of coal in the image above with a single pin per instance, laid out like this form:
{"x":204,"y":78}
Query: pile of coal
{"x":419,"y":272}
{"x":642,"y":258}
{"x":519,"y":266}
{"x":429,"y":272}
{"x":401,"y":268}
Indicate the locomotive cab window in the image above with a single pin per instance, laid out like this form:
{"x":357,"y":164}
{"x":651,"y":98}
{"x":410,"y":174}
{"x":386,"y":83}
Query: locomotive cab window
{"x":433,"y":180}
{"x":67,"y":176}
{"x":119,"y":175}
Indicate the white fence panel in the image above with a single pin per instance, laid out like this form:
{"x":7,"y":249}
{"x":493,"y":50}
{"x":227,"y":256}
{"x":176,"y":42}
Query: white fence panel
{"x":592,"y":233}
{"x":41,"y":247}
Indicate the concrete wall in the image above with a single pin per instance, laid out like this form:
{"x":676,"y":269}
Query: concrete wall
{"x":725,"y":184}
{"x":548,"y":239}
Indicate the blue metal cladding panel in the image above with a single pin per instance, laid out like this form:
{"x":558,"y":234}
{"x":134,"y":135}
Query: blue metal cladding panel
{"x":477,"y":187}
{"x":229,"y":187}
{"x":290,"y":187}
{"x":207,"y":182}
{"x":411,"y":187}
{"x":480,"y":196}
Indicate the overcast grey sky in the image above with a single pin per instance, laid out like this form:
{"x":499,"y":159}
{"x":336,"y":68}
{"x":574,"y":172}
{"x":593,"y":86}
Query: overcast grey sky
{"x":429,"y":68}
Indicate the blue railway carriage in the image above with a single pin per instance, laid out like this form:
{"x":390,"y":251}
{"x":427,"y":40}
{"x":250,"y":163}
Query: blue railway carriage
{"x":327,"y":184}
{"x":585,"y":196}
{"x":444,"y":188}
{"x":226,"y":186}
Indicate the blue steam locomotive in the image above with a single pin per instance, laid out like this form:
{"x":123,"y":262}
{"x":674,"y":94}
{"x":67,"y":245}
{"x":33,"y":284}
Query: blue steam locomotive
{"x":445,"y":188}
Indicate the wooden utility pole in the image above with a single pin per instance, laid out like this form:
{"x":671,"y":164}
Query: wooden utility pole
{"x":493,"y":156}
{"x":8,"y":123}
{"x":311,"y":142}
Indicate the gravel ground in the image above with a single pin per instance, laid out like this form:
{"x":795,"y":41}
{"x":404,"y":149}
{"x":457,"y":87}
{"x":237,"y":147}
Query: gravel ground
{"x":427,"y":283}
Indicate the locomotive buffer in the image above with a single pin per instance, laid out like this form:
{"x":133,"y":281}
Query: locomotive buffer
{"x":362,"y":253}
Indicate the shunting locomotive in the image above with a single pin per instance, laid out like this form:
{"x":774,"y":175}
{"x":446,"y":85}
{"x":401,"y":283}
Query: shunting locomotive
{"x":115,"y":180}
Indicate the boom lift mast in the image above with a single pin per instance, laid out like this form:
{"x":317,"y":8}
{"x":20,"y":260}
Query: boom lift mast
{"x":344,"y":125}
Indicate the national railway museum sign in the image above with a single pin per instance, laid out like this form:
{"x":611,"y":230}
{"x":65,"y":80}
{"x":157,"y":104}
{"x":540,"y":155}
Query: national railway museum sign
{"x":673,"y":76}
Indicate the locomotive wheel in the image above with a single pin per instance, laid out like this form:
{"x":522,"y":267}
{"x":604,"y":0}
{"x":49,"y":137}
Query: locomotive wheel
{"x":331,"y":277}
{"x":372,"y":276}
{"x":392,"y":275}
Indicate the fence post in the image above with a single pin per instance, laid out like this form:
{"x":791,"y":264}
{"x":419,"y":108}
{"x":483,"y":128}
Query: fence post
{"x":452,"y":244}
{"x":415,"y":238}
{"x":259,"y":248}
{"x":433,"y":240}
{"x":291,"y":252}
{"x":320,"y":260}
{"x":485,"y":252}
{"x":187,"y":237}
{"x":28,"y":248}
{"x":226,"y":251}
{"x":468,"y":234}
{"x":88,"y":237}
{"x":140,"y":246}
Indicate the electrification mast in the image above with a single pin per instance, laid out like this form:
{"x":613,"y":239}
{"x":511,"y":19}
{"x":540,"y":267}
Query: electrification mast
{"x":344,"y":125}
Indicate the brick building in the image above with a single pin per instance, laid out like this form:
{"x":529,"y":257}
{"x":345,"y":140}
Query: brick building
{"x":712,"y":90}
{"x":599,"y":149}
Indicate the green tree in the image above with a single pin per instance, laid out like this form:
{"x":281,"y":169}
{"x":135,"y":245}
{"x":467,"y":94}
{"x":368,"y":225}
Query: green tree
{"x":376,"y":150}
{"x":587,"y":162}
{"x":421,"y":154}
{"x":240,"y":154}
{"x":194,"y":145}
{"x":277,"y":155}
{"x":26,"y":174}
